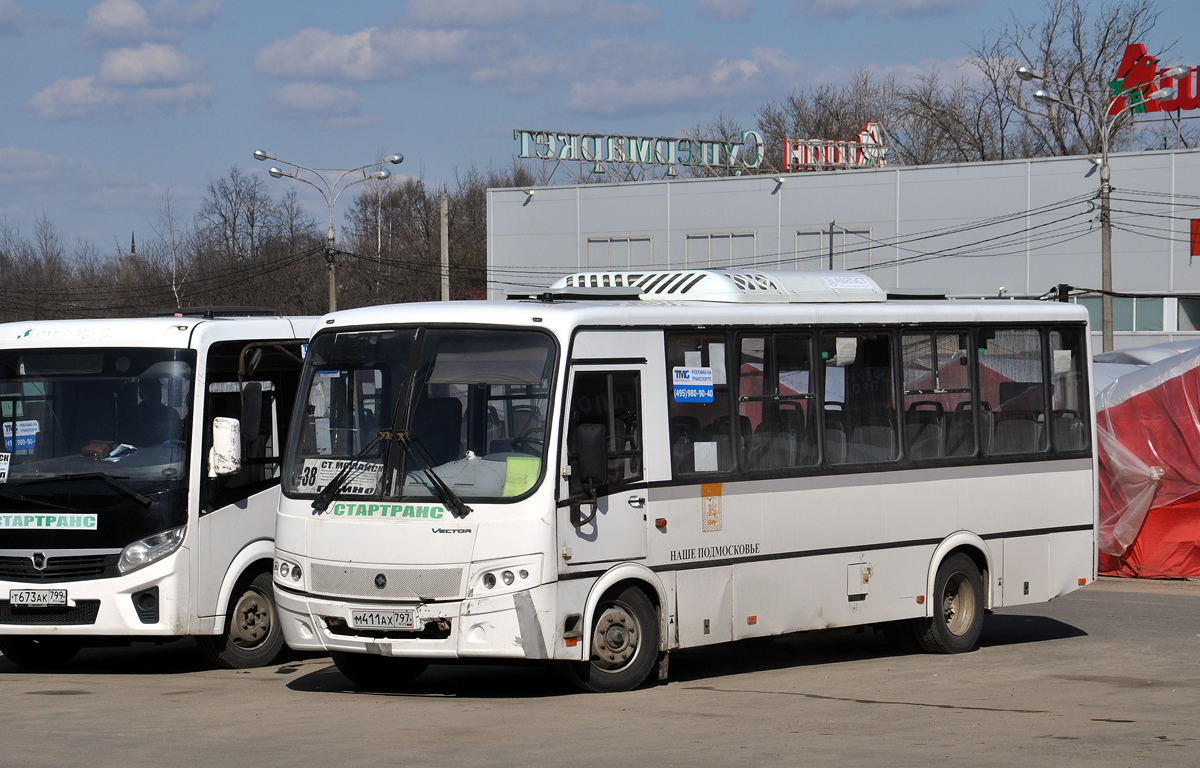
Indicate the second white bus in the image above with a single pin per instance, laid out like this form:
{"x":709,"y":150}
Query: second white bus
{"x":636,"y":462}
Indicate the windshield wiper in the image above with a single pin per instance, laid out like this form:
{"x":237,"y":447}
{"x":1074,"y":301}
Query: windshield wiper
{"x":321,"y":503}
{"x":115,"y":482}
{"x":27,"y":500}
{"x":412,"y":444}
{"x":413,"y":447}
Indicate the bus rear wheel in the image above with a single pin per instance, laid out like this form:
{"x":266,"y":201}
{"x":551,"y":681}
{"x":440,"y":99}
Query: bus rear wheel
{"x":957,"y":609}
{"x":378,"y":672}
{"x":39,"y":652}
{"x":624,"y":645}
{"x":252,"y":636}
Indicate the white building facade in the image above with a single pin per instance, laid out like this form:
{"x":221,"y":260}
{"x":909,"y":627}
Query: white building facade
{"x":1009,"y":229}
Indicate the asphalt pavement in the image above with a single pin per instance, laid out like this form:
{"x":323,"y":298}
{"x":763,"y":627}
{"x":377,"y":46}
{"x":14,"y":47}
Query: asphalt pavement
{"x":1106,"y":676}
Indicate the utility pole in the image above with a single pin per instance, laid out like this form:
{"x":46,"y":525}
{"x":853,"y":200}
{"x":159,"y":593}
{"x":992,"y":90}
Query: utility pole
{"x":445,"y":201}
{"x":330,"y":191}
{"x":832,"y":224}
{"x":1104,"y":117}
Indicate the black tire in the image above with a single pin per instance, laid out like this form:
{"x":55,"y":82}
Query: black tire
{"x":252,"y":637}
{"x":39,"y":652}
{"x":957,"y":608}
{"x":378,"y":672}
{"x":624,"y":645}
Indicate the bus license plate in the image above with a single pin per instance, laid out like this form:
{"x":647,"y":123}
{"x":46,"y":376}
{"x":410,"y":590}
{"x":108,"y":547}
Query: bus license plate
{"x":37,"y":597}
{"x":384,"y":619}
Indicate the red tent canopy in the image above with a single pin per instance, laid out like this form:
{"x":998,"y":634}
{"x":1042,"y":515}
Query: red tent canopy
{"x":1148,"y":424}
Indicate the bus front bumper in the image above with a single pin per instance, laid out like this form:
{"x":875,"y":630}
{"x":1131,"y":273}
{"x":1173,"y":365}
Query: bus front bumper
{"x":107,"y":607}
{"x":518,"y":625}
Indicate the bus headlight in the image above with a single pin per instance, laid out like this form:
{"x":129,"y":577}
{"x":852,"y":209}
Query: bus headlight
{"x":287,"y":571}
{"x":503,"y":576}
{"x":142,"y":553}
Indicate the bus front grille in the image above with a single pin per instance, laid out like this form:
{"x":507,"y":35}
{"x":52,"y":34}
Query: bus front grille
{"x":83,"y":612}
{"x":59,"y":568}
{"x":407,"y":584}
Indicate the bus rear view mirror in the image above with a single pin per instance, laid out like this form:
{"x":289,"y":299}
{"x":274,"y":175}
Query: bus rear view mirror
{"x":593,"y":454}
{"x":251,"y":418}
{"x":592,"y":468}
{"x":225,"y":455}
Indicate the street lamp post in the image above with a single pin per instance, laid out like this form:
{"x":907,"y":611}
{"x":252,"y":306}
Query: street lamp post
{"x":331,"y":191}
{"x":1105,"y":122}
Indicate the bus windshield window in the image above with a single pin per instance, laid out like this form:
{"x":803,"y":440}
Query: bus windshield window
{"x":351,"y":383}
{"x":477,"y":411}
{"x":122,"y":412}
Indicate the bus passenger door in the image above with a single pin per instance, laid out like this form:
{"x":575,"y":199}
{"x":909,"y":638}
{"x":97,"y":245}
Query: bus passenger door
{"x":607,"y":400}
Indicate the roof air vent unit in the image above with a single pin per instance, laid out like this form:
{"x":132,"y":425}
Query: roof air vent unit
{"x":732,"y":286}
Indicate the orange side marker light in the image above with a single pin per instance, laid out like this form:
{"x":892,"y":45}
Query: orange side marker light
{"x":751,"y":620}
{"x":1082,"y":581}
{"x":660,"y":523}
{"x":920,"y":599}
{"x":570,"y":642}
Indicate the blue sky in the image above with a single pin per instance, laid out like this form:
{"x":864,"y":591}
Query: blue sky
{"x":109,"y":105}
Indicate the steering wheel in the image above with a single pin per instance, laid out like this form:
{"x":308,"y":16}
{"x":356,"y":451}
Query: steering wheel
{"x":528,"y":443}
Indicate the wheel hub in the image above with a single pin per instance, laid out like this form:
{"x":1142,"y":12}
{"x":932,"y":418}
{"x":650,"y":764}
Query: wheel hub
{"x":252,"y":619}
{"x":958,"y":604}
{"x":615,"y":640}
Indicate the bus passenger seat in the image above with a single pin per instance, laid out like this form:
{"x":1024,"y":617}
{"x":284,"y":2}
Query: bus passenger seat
{"x":1068,"y":431}
{"x":871,"y":443}
{"x":437,"y":422}
{"x":1016,"y":433}
{"x":923,"y":429}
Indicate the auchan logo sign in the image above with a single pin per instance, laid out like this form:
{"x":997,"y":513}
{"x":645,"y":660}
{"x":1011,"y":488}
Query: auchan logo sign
{"x":1141,"y":73}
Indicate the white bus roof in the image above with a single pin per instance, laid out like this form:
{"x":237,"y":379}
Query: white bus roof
{"x":739,"y":286}
{"x":161,"y":332}
{"x":563,"y":316}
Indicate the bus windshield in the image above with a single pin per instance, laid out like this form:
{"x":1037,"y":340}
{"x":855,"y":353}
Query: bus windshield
{"x":474,"y":401}
{"x":119,"y":412}
{"x":95,"y":445}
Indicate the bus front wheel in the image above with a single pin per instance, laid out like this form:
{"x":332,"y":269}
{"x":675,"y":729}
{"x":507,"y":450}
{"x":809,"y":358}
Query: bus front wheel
{"x":957,"y":608}
{"x":624,"y":645}
{"x":39,"y":652}
{"x":252,"y":636}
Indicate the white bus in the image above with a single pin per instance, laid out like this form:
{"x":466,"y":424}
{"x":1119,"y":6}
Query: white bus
{"x":115,"y":521}
{"x":635,"y":462}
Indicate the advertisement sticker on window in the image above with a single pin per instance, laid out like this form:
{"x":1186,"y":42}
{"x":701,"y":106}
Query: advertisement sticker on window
{"x":692,"y":385}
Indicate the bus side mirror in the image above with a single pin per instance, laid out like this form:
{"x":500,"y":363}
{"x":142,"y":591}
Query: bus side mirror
{"x":251,"y":418}
{"x":592,"y":466}
{"x":225,"y":455}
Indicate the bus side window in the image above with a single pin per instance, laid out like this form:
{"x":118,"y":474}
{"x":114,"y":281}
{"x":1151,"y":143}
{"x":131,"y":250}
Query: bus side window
{"x":1011,"y":387}
{"x":1070,"y":411}
{"x":939,"y":418}
{"x":774,"y":399}
{"x":703,"y":435}
{"x":859,"y":397}
{"x":275,"y":378}
{"x":612,"y":400}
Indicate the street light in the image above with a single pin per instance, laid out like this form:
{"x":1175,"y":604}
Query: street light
{"x":1105,"y":122}
{"x":331,"y":191}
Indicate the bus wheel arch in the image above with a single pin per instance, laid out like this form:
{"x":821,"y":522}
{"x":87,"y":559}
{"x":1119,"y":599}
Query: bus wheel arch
{"x":956,"y":602}
{"x":617,"y":578}
{"x":622,"y":632}
{"x":251,"y":634}
{"x":973,"y":547}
